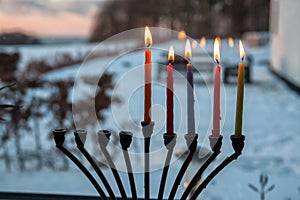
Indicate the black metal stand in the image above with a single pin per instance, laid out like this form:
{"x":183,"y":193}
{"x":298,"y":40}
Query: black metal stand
{"x":215,"y":144}
{"x":104,"y":137}
{"x":80,"y":137}
{"x":169,"y":141}
{"x":59,"y":138}
{"x":147,"y":129}
{"x":125,"y":140}
{"x":238,"y":145}
{"x":191,"y":141}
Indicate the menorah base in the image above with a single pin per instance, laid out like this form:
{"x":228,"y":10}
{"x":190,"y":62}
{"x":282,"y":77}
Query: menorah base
{"x":169,"y":141}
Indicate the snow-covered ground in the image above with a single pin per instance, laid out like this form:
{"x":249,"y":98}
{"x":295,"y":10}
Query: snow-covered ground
{"x":271,"y":126}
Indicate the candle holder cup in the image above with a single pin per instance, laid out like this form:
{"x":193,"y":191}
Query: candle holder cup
{"x":125,"y":139}
{"x":80,"y":137}
{"x":191,"y":141}
{"x":169,"y":140}
{"x":238,"y":143}
{"x":103,"y":138}
{"x":147,"y":128}
{"x":215,"y":143}
{"x":59,"y":136}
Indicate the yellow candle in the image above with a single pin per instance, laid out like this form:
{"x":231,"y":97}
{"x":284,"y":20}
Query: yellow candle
{"x":240,"y":94}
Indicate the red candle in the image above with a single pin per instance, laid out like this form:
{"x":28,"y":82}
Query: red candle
{"x":216,"y":107}
{"x":148,"y":76}
{"x":170,"y":95}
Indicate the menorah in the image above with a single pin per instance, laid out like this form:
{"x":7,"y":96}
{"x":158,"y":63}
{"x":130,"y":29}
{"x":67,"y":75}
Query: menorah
{"x":192,"y":191}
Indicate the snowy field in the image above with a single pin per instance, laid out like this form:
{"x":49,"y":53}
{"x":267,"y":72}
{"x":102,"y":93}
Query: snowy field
{"x":271,"y":126}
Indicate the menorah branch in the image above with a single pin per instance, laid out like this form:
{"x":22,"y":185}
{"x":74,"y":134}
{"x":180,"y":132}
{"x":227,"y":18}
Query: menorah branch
{"x":169,"y":141}
{"x":59,"y":137}
{"x":125,"y":140}
{"x":215,"y":144}
{"x":191,"y":141}
{"x":147,"y":128}
{"x":238,"y":145}
{"x":80,"y":136}
{"x":104,"y":137}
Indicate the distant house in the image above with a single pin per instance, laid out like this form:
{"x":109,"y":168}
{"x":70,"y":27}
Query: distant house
{"x":285,"y":40}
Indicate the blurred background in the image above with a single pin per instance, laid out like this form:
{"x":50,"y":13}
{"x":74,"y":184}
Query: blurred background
{"x":98,"y":20}
{"x":44,"y":43}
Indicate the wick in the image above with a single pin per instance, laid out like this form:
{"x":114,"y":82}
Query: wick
{"x":243,"y":58}
{"x":188,"y":59}
{"x":217,"y":60}
{"x":148,"y":44}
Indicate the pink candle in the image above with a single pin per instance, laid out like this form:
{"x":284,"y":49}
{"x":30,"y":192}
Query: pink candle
{"x":216,"y":107}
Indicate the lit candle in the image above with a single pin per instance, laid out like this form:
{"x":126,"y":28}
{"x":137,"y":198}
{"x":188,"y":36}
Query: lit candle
{"x":240,"y":94}
{"x":181,"y":35}
{"x":230,"y":42}
{"x":148,"y":76}
{"x":202,"y":42}
{"x":190,"y":90}
{"x":216,"y":107}
{"x":170,"y":101}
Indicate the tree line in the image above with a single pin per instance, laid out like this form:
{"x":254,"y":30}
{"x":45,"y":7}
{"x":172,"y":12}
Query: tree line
{"x":197,"y":17}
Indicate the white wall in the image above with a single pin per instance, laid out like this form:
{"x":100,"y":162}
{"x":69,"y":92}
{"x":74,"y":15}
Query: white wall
{"x":285,"y":39}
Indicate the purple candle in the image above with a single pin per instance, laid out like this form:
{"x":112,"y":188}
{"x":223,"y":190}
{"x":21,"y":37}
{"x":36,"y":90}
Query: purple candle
{"x":190,"y":90}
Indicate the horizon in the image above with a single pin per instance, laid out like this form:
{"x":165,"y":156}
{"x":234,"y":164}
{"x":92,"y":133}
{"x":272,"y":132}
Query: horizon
{"x":49,"y":18}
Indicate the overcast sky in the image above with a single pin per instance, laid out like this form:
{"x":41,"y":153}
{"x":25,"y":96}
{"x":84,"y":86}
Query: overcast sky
{"x":49,"y":17}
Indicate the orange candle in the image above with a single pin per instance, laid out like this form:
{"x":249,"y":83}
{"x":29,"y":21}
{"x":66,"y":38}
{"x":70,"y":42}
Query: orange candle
{"x":148,"y":76}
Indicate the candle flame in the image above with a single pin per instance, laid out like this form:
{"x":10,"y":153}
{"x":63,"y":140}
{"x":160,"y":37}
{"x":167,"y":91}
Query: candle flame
{"x":202,"y":42}
{"x":181,"y":35}
{"x":219,"y":40}
{"x":230,"y":42}
{"x":242,"y":51}
{"x":194,"y":44}
{"x":148,"y":37}
{"x":171,"y":54}
{"x":188,"y":50}
{"x":217,"y":50}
